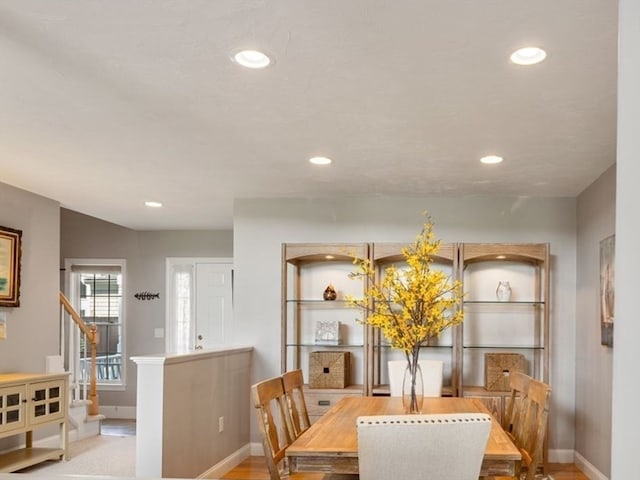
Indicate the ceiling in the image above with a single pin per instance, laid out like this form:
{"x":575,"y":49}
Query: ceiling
{"x":107,"y":103}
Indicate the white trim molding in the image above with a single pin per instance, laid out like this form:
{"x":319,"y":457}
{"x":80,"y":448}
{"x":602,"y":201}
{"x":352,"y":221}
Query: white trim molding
{"x":116,"y":411}
{"x":228,"y":463}
{"x":588,"y":469}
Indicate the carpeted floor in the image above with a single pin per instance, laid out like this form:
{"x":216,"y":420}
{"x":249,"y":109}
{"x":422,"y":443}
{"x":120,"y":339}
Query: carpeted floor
{"x":112,"y":455}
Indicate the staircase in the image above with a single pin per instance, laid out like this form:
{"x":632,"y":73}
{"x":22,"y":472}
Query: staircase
{"x":81,"y":423}
{"x":84,"y":416}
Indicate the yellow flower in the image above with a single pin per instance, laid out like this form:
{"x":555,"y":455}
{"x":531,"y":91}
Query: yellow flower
{"x":414,"y":304}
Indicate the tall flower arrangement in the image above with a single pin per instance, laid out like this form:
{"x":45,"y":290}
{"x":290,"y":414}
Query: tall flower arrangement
{"x":410,"y":305}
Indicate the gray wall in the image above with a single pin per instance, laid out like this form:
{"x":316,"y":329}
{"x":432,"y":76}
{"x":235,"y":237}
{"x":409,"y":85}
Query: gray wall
{"x":32,"y":328}
{"x":83,"y":236}
{"x":261,"y":226}
{"x":596,"y":221}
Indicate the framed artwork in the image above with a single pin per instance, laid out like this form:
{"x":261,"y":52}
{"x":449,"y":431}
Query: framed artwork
{"x":10,"y":255}
{"x":607,"y":290}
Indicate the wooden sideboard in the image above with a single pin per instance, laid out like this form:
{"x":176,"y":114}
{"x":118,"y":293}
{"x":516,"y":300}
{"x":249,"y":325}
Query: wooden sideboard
{"x":29,"y":401}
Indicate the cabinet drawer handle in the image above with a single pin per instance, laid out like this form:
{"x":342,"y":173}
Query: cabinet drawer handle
{"x":324,"y":403}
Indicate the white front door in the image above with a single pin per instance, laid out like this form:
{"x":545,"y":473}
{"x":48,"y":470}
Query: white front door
{"x":213,"y":303}
{"x":199,"y":302}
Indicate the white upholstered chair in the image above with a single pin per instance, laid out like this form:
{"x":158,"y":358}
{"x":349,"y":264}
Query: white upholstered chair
{"x":412,"y":447}
{"x":432,"y":373}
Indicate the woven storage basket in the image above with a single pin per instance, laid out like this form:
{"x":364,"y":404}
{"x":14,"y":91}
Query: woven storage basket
{"x":329,"y":369}
{"x":498,"y":368}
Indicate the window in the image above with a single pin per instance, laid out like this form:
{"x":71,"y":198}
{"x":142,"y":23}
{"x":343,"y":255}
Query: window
{"x":180,"y":336}
{"x":97,"y":292}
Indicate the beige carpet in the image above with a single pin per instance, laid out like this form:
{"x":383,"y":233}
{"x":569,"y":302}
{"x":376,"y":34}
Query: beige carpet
{"x":100,"y":455}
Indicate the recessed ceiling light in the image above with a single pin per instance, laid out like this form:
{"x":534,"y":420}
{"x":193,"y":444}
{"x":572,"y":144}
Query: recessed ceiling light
{"x":528,"y":56}
{"x":153,"y":204}
{"x":320,"y":160}
{"x":251,"y":59}
{"x":491,"y":159}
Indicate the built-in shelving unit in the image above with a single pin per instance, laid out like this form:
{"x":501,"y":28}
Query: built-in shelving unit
{"x":384,"y":255}
{"x":307,"y":270}
{"x":519,"y":325}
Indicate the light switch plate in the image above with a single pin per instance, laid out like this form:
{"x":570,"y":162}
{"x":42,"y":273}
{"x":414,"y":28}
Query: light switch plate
{"x":158,"y":332}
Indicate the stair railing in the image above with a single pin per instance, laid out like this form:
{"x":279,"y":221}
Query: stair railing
{"x":90,"y":333}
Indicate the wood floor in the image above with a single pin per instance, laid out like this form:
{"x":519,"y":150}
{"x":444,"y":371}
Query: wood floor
{"x":255,"y":468}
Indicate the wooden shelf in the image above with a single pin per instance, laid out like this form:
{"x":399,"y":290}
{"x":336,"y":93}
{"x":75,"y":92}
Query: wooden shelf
{"x":383,"y":390}
{"x":25,"y":457}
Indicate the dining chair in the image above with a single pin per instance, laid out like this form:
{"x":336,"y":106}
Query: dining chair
{"x":275,"y":428}
{"x":271,"y":408}
{"x":432,"y":374}
{"x":513,"y":419}
{"x":293,"y":381}
{"x":531,"y":437}
{"x":416,"y":447}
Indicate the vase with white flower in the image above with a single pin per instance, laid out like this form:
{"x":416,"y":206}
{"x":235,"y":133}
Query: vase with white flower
{"x":411,"y":305}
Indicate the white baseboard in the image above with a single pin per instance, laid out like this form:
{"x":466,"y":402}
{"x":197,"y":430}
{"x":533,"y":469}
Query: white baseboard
{"x":257,"y":450}
{"x":116,"y":411}
{"x":561,"y":456}
{"x":589,"y":470}
{"x":228,"y":463}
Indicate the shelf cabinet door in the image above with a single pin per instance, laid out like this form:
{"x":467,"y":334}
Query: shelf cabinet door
{"x":12,"y":408}
{"x":47,"y":401}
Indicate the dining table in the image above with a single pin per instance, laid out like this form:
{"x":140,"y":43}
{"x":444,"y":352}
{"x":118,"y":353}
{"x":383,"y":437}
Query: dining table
{"x":331,"y":443}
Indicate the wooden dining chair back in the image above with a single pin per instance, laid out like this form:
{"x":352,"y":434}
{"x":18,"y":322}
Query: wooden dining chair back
{"x":413,"y":447}
{"x":272,"y":411}
{"x":293,"y":382}
{"x":513,"y":419}
{"x":276,"y":430}
{"x":432,"y":374}
{"x":531,"y":437}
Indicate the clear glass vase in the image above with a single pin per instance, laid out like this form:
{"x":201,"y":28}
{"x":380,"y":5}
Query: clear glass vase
{"x":503,"y":292}
{"x":412,"y":389}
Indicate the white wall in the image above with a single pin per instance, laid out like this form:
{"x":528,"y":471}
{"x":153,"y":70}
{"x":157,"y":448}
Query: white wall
{"x":261,"y":226}
{"x":626,"y":388}
{"x":596,"y":221}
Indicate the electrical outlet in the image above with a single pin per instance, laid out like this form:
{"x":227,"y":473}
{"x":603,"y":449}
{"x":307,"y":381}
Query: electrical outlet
{"x":221,"y":424}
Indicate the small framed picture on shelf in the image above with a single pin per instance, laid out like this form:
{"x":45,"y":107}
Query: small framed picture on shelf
{"x":327,"y":332}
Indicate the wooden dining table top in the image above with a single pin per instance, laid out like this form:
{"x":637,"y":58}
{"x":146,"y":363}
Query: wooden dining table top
{"x":332,"y":441}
